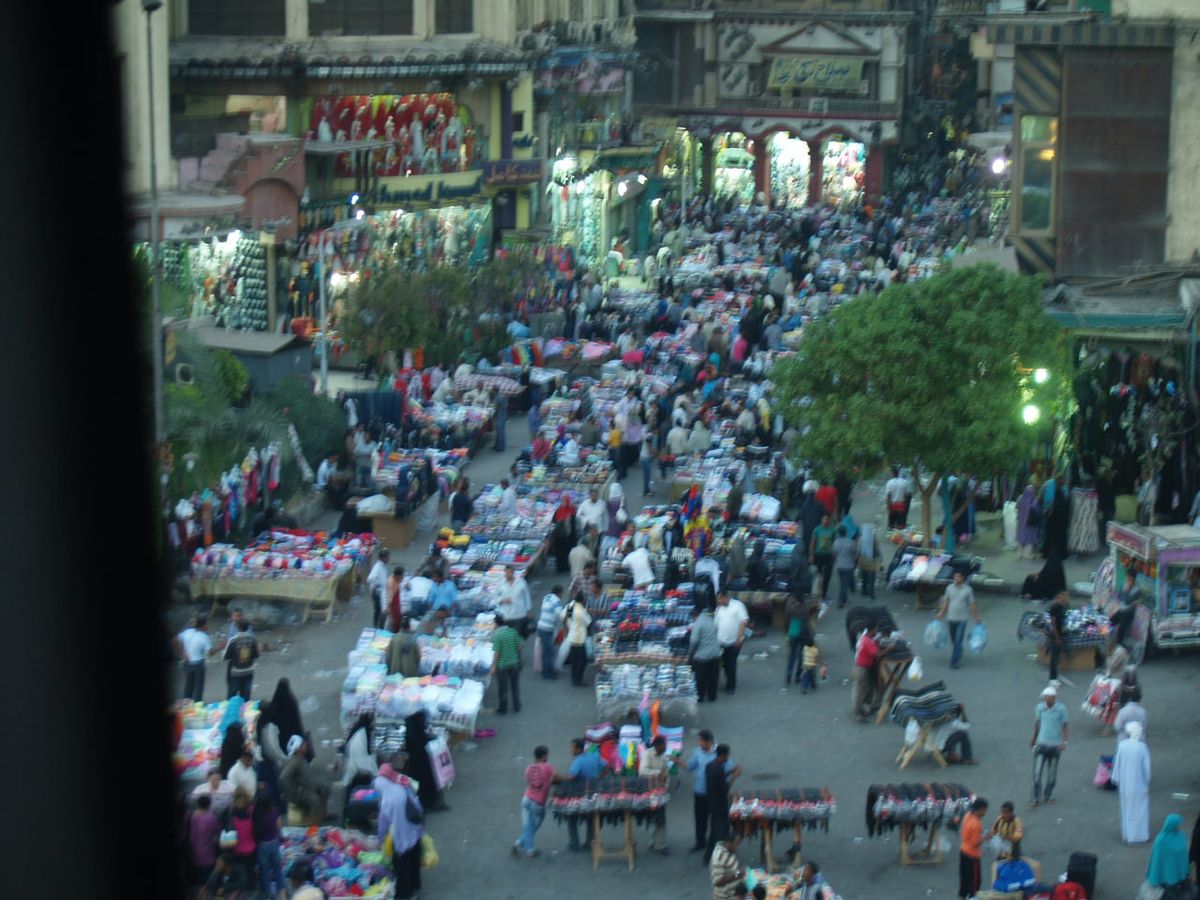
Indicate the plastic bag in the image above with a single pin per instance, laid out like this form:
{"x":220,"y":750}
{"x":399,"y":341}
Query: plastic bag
{"x":916,"y":671}
{"x":1103,"y":772}
{"x":429,"y":854}
{"x":936,"y":634}
{"x":995,"y":845}
{"x":978,"y":639}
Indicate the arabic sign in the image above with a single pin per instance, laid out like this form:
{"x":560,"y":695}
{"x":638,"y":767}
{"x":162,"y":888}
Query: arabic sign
{"x":512,"y":172}
{"x":824,"y":73}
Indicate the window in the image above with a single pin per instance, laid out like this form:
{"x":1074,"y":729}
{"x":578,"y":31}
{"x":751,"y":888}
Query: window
{"x":237,"y":17}
{"x":518,"y":122}
{"x":455,"y":16}
{"x":360,"y":17}
{"x":1039,"y":146}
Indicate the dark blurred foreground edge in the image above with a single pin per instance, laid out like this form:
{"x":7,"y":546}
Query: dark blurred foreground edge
{"x":87,"y":781}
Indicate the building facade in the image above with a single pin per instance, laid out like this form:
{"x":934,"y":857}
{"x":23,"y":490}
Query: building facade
{"x":794,"y":100}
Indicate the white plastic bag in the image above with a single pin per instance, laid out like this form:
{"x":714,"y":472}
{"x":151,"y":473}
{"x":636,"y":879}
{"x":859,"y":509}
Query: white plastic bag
{"x":916,"y":671}
{"x":936,"y":635}
{"x":995,"y":845}
{"x":1009,"y":516}
{"x":978,"y":640}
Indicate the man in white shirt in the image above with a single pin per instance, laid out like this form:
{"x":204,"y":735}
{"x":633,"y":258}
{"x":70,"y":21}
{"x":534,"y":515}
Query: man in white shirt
{"x":638,"y":562}
{"x":242,"y":775}
{"x":731,"y":619}
{"x":220,"y":790}
{"x":508,"y":500}
{"x":897,"y":492}
{"x":514,"y":602}
{"x":592,"y":512}
{"x":578,"y":559}
{"x":677,"y":439}
{"x":195,"y":645}
{"x":377,"y":581}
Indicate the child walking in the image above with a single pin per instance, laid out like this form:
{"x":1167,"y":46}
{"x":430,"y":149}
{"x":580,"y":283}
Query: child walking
{"x":813,"y":660}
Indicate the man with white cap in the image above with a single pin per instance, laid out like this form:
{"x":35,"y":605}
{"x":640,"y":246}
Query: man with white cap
{"x":1049,"y":740}
{"x":1131,"y":775}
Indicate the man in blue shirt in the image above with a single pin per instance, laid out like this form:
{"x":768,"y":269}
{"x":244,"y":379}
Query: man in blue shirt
{"x":443,"y":594}
{"x":701,"y":757}
{"x":584,"y":766}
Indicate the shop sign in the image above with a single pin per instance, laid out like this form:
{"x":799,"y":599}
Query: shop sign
{"x":512,"y":172}
{"x":426,"y":189}
{"x":1129,"y":541}
{"x":822,"y":73}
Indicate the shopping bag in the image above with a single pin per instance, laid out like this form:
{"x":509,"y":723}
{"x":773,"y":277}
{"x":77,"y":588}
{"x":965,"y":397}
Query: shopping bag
{"x":563,"y":650}
{"x":916,"y":671}
{"x":1103,"y":772}
{"x":978,"y":638}
{"x":537,"y":655}
{"x":995,"y":846}
{"x":936,"y":635}
{"x":442,"y":763}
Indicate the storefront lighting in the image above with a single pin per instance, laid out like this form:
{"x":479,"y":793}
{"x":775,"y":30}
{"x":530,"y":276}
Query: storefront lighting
{"x":353,"y":199}
{"x":999,"y":164}
{"x":1046,"y":154}
{"x":580,"y":187}
{"x":358,"y":215}
{"x":623,"y":188}
{"x":1041,"y":376}
{"x":1031,"y":414}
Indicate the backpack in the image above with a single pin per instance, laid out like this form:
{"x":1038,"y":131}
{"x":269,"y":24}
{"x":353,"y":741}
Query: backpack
{"x":1068,"y":890}
{"x":1013,"y":875}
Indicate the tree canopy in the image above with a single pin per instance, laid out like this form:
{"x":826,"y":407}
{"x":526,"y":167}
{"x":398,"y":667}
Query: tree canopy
{"x":446,"y":310}
{"x":931,"y":374}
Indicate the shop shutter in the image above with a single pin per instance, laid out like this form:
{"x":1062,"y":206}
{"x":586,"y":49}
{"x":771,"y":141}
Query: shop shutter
{"x":237,"y":17}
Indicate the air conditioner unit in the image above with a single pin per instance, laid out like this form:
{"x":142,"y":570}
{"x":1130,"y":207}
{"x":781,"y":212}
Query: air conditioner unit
{"x":818,"y":105}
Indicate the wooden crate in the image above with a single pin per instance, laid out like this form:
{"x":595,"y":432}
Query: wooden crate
{"x":1081,"y":660}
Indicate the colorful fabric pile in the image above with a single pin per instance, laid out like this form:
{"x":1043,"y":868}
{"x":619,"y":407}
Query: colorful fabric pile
{"x":203,"y":731}
{"x":285,"y":553}
{"x":344,"y":863}
{"x":930,"y":705}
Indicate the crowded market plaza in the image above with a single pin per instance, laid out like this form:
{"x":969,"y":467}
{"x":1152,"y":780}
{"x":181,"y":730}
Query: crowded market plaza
{"x":595,"y":581}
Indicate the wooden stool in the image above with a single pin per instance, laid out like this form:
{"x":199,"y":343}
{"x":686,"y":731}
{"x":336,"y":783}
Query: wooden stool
{"x":926,"y":857}
{"x":891,"y":673}
{"x":908,"y":751}
{"x":629,"y":851}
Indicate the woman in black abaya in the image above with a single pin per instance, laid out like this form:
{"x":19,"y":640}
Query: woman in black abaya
{"x":416,"y":738}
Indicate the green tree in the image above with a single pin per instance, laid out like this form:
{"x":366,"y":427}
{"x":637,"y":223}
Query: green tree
{"x":932,"y":375}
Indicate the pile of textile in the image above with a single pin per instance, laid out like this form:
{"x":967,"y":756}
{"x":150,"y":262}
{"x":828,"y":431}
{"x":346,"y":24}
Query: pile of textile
{"x":785,"y":806}
{"x":344,"y":863}
{"x":931,"y":704}
{"x":1103,"y":699}
{"x":927,"y":805}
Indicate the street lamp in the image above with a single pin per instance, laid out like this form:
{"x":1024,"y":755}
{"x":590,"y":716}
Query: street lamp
{"x":1031,"y":414}
{"x":149,"y":7}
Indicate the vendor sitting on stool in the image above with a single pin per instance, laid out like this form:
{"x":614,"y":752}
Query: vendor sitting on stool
{"x":299,"y":786}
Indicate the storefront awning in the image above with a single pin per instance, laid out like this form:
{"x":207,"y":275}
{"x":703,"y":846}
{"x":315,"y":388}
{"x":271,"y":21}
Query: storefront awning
{"x":1156,"y":310}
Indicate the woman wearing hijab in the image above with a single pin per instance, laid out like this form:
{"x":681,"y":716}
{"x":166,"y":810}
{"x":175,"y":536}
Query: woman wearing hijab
{"x":1027,"y":522}
{"x":1131,"y":775}
{"x":563,"y":537}
{"x":1169,"y":857}
{"x":283,"y":713}
{"x":359,"y":766}
{"x":416,"y":737}
{"x":232,"y":746}
{"x":1049,"y":581}
{"x":616,"y":524}
{"x":299,"y":786}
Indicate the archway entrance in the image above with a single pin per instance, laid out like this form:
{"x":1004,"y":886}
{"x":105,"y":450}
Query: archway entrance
{"x":843,"y":169}
{"x":733,"y":167}
{"x":791,"y":165}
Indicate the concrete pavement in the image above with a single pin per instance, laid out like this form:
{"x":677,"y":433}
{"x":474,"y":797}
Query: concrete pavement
{"x":783,"y":739}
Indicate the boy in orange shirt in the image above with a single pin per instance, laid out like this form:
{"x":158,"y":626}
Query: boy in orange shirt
{"x":972,"y":844}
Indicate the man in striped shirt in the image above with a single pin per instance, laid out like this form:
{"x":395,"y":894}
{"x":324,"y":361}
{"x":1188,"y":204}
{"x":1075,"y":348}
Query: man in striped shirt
{"x":506,"y":666}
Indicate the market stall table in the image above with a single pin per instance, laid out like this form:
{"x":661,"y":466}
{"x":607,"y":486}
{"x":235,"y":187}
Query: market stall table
{"x":617,"y":800}
{"x":763,"y":812}
{"x":909,"y":806}
{"x":1084,"y":634}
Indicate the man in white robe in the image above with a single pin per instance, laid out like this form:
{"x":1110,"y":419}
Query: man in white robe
{"x":1131,"y":775}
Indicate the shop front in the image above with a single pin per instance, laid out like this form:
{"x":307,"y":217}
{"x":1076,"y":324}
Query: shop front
{"x":575,"y":198}
{"x":734,"y":167}
{"x":791,"y":168}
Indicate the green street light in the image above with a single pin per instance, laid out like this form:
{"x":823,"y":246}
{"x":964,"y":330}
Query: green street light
{"x":1031,"y":414}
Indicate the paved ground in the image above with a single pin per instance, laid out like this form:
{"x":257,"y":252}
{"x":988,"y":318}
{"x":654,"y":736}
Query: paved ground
{"x":782,"y":739}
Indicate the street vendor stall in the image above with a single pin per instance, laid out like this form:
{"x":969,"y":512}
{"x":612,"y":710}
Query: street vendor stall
{"x":1166,"y":562}
{"x":622,"y":689}
{"x":909,"y":806}
{"x":611,"y":800}
{"x":1085,"y":633}
{"x":202,"y":729}
{"x":767,"y":811}
{"x":312,"y":569}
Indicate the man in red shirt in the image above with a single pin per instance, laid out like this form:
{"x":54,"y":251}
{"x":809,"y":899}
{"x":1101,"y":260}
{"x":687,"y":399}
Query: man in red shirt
{"x":538,"y":778}
{"x":827,"y":496}
{"x":862,"y":676}
{"x":968,"y":854}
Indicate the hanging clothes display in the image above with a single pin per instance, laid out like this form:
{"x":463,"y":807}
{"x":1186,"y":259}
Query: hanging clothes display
{"x":1083,"y":536}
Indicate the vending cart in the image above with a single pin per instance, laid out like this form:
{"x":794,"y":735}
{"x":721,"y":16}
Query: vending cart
{"x":1166,"y":562}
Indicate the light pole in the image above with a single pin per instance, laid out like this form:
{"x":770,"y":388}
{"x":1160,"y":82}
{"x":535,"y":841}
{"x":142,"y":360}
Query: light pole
{"x":156,"y":337}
